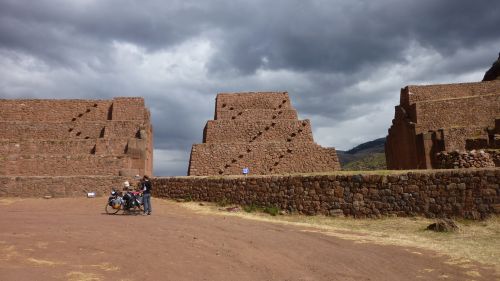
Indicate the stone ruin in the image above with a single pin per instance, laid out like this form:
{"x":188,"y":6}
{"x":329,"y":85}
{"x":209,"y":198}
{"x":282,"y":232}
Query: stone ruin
{"x":433,"y":121}
{"x":261,"y":132}
{"x":78,"y":139}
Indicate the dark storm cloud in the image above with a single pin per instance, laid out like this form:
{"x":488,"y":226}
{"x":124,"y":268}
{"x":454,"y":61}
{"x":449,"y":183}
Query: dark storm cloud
{"x":300,"y":35}
{"x":179,"y":125}
{"x":327,"y":54}
{"x":347,"y":35}
{"x":71,"y":32}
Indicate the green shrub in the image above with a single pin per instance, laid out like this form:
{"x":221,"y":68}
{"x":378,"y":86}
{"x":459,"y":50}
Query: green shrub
{"x":250,"y":208}
{"x":273,"y":210}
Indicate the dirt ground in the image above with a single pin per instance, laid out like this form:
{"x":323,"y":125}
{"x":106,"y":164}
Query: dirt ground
{"x":73,"y":239}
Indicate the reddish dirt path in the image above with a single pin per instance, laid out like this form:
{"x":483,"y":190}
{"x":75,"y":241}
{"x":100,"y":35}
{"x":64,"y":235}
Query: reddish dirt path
{"x":71,"y":239}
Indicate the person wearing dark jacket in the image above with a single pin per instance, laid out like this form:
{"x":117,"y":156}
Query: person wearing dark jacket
{"x":146,"y":193}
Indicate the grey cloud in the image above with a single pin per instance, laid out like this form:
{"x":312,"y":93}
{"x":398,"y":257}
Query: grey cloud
{"x":180,"y":124}
{"x":346,"y":36}
{"x":318,"y":36}
{"x":68,"y":33}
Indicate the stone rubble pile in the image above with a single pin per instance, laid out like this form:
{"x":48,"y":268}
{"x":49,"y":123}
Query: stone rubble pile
{"x":465,"y":159}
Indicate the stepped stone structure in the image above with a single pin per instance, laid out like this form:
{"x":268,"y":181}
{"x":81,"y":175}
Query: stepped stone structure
{"x":259,"y":131}
{"x":75,"y":138}
{"x":443,"y":118}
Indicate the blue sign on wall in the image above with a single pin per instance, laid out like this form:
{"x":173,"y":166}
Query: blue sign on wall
{"x":246,"y":171}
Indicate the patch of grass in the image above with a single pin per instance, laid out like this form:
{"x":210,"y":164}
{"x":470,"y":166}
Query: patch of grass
{"x":251,"y":208}
{"x":272,"y":210}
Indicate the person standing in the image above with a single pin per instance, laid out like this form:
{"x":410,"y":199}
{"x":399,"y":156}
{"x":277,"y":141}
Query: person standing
{"x":146,"y":193}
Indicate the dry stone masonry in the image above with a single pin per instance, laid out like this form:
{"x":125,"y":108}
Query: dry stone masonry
{"x":261,"y":132}
{"x":444,"y":118}
{"x":473,"y":194}
{"x":93,"y":142}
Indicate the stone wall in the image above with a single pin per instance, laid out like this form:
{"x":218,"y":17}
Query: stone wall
{"x":47,"y":110}
{"x":130,"y":108}
{"x":28,"y":147}
{"x":417,"y":93}
{"x":228,"y":131}
{"x":238,"y":102}
{"x":456,"y":138}
{"x":262,"y":158}
{"x":60,"y":186}
{"x":113,"y":146}
{"x":255,"y":114}
{"x":463,"y":112}
{"x":401,"y":151}
{"x":495,"y":155}
{"x":62,"y":165}
{"x":69,"y":130}
{"x":469,"y":193}
{"x":259,"y":131}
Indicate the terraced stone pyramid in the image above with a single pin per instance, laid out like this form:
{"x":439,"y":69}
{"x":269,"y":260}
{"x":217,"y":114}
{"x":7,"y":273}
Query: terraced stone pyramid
{"x":261,"y":132}
{"x":75,"y":137}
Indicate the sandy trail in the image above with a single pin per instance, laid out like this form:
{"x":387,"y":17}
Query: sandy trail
{"x":73,"y":239}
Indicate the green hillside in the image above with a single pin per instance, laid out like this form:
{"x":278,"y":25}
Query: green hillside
{"x":374,"y":161}
{"x":366,"y":156}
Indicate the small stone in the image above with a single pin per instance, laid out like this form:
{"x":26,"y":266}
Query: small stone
{"x":443,"y":225}
{"x":336,"y":213}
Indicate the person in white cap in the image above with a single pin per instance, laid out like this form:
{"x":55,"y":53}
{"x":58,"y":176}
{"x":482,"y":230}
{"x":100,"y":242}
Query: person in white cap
{"x":126,"y":195}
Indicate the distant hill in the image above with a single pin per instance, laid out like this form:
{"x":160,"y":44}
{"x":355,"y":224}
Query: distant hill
{"x":494,"y":72}
{"x":366,"y":156}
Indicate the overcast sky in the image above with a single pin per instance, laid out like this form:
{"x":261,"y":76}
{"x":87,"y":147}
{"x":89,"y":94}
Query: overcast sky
{"x":343,"y":62}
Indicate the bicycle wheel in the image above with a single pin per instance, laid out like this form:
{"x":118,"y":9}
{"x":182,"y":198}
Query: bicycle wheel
{"x":110,"y":210}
